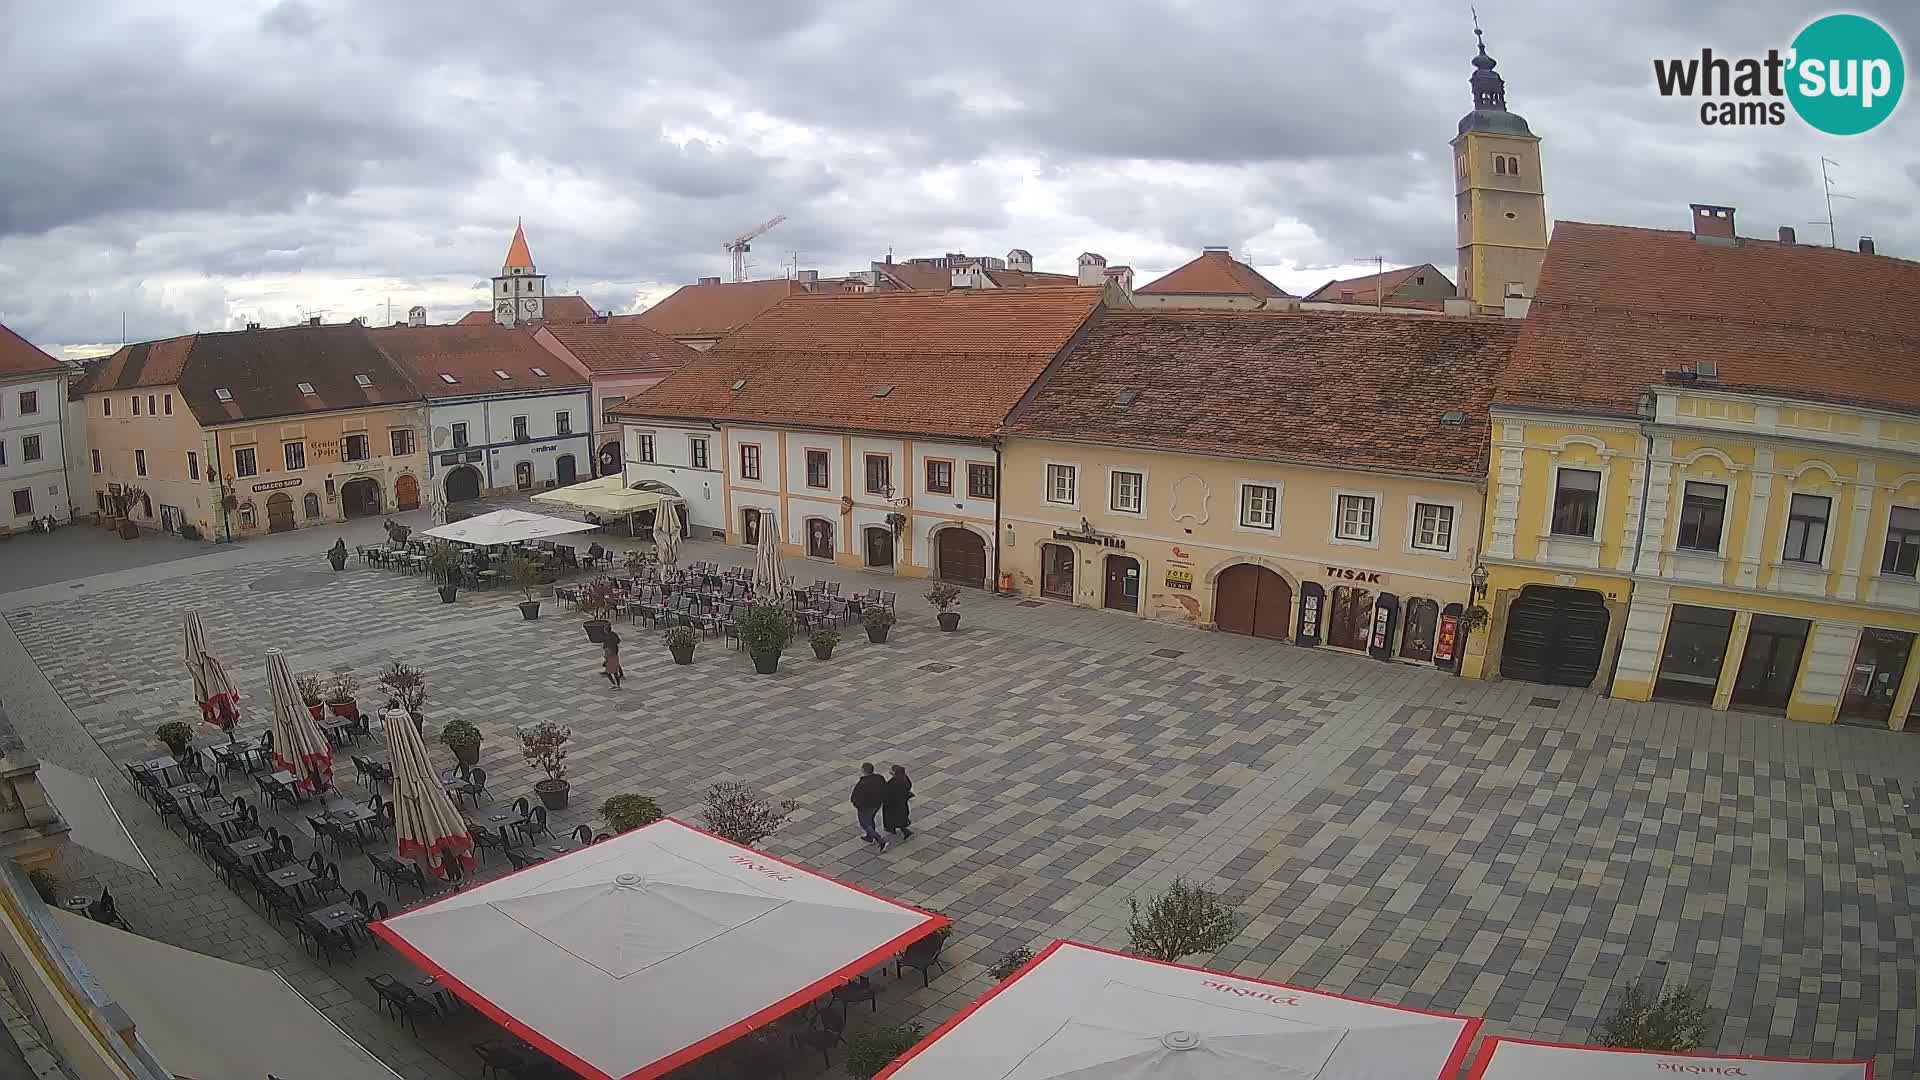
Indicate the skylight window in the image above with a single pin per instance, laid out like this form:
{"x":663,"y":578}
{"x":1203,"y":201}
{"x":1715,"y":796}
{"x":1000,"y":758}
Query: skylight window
{"x":502,"y":374}
{"x":448,"y":379}
{"x":1126,"y":397}
{"x":739,"y":384}
{"x":223,"y":393}
{"x":540,"y":371}
{"x":306,"y":388}
{"x":363,"y":380}
{"x":883,"y":391}
{"x":1453,"y":418}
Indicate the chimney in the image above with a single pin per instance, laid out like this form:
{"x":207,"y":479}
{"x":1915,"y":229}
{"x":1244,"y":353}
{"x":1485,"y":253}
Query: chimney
{"x":417,"y":315}
{"x":1866,"y":245}
{"x":1217,"y":249}
{"x":1457,"y":305}
{"x":1713,"y":224}
{"x":1121,"y":276}
{"x":1786,"y":234}
{"x":1093,"y":268}
{"x":313,"y":320}
{"x":808,"y":278}
{"x":709,"y":281}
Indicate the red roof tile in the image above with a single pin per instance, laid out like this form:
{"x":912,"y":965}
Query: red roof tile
{"x":517,"y":253}
{"x":19,"y":357}
{"x":144,"y":363}
{"x":715,"y":309}
{"x":947,"y":363}
{"x":1616,"y":307}
{"x":1214,"y":273}
{"x":473,"y":355}
{"x":261,"y":370}
{"x":622,"y":345}
{"x":1337,"y":389}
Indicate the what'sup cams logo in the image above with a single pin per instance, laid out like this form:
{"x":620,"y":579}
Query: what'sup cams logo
{"x":1843,"y":74}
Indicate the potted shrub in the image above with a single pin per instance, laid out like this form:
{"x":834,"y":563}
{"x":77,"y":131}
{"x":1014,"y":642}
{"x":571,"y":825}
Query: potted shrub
{"x":444,"y":560}
{"x":313,"y":693}
{"x":337,"y":554}
{"x":823,"y":642}
{"x":870,"y":1051}
{"x":408,"y":685}
{"x":680,"y":641}
{"x":625,"y":813}
{"x":544,"y":745}
{"x":175,"y":735}
{"x":596,"y":599}
{"x":765,"y":631}
{"x":340,"y":694}
{"x":525,"y":574}
{"x":944,"y":596}
{"x":878,"y":621}
{"x":743,"y":815}
{"x":463,"y":739}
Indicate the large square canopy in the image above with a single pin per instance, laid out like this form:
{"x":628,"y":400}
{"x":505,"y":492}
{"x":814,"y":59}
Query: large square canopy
{"x":633,"y":956}
{"x":607,"y":495}
{"x":1523,"y":1059}
{"x":506,"y":527}
{"x":1080,"y":1013}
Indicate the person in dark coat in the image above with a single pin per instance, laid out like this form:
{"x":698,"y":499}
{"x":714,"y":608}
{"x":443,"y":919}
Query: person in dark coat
{"x":869,"y":795}
{"x":893,"y":812}
{"x":610,"y":651}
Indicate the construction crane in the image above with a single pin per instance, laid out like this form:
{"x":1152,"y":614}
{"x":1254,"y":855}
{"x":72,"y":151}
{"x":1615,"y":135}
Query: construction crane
{"x":740,"y":245}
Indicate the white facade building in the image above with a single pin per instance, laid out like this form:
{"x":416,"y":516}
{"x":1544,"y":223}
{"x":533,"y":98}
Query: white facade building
{"x":525,"y":441}
{"x":33,"y":453}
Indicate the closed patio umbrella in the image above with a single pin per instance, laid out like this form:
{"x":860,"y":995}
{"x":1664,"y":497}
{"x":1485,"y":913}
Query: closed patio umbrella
{"x":213,"y":689}
{"x":196,"y":651}
{"x":666,"y":533}
{"x":298,"y":746}
{"x":767,"y":572}
{"x":426,"y":826}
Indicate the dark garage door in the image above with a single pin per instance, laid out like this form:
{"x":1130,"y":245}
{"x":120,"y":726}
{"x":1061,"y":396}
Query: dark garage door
{"x":1555,"y":636}
{"x":963,"y":557}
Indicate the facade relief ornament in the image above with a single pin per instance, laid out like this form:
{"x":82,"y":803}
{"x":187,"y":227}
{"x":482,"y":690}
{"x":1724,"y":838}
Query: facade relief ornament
{"x":1191,"y":494}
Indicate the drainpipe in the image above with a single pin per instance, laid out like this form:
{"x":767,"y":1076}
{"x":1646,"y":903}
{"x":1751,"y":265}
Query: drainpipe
{"x":220,"y":489}
{"x":1639,"y":535}
{"x":997,"y":480}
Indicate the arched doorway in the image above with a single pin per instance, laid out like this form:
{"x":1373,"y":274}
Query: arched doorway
{"x":878,"y":547}
{"x":1056,"y":571}
{"x":1422,"y":623}
{"x":610,"y":459}
{"x":963,"y":556}
{"x":406,"y":492}
{"x":146,"y":504}
{"x":310,"y":505}
{"x":1253,"y":600}
{"x":279,"y":512}
{"x":1350,"y":618}
{"x":360,"y":497}
{"x":563,"y":470}
{"x":463,"y":483}
{"x":819,"y":538}
{"x":750,"y":527}
{"x":523,"y":475}
{"x":1555,"y":635}
{"x":1123,"y":583}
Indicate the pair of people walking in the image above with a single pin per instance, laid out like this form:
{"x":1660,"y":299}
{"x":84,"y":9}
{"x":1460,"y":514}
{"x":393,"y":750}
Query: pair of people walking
{"x":885,"y":799}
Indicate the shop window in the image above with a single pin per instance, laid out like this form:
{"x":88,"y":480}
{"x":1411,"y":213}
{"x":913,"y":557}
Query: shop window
{"x":1695,"y":652}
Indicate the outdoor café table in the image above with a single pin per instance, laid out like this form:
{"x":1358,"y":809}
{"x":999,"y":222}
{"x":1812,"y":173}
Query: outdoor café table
{"x":355,"y":816}
{"x":252,"y":847}
{"x":336,"y":727}
{"x":219,"y":816}
{"x":236,"y":752}
{"x":336,"y":916}
{"x":291,"y":877}
{"x":159,"y":765}
{"x":443,"y":1000}
{"x":185,"y":794}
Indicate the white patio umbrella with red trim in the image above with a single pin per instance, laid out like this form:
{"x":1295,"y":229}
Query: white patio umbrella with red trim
{"x":427,"y":828}
{"x":196,"y":650}
{"x":298,"y":746}
{"x":638,"y":954}
{"x":1523,"y":1059}
{"x":213,"y":690}
{"x":767,"y":571}
{"x":1078,"y":1013}
{"x":666,"y":533}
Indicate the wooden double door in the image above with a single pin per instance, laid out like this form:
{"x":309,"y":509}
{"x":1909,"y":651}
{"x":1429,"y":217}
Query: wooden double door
{"x":1253,"y":600}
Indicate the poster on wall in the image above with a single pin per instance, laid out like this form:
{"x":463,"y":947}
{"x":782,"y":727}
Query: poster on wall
{"x":1312,"y":597}
{"x":1179,"y":578}
{"x":1448,"y":639}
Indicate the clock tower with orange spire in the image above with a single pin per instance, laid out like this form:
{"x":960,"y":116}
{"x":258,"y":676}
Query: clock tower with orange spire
{"x":519,"y":294}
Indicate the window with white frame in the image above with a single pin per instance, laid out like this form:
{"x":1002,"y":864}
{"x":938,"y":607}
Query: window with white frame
{"x":1259,"y":506}
{"x":1060,"y":484}
{"x":697,"y":451}
{"x":645,"y":451}
{"x":1432,"y":527}
{"x":749,"y":461}
{"x":1127,"y":491}
{"x":818,"y":469}
{"x":1576,"y":502}
{"x":1353,"y":518}
{"x":1807,"y":517}
{"x":354,"y":447}
{"x":296,"y":455}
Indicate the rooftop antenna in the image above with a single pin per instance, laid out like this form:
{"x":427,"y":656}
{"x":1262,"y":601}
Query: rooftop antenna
{"x":1379,"y":280}
{"x":1826,"y":181}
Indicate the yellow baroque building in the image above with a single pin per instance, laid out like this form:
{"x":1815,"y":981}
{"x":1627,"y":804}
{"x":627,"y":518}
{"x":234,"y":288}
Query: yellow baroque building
{"x":1704,"y":479}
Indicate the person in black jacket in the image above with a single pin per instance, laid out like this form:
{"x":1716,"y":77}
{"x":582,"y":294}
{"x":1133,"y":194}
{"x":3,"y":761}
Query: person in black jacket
{"x":869,"y":795}
{"x":893,"y":812}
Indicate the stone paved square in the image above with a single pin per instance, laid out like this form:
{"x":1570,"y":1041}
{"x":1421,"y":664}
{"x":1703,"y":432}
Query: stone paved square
{"x":1386,"y":831}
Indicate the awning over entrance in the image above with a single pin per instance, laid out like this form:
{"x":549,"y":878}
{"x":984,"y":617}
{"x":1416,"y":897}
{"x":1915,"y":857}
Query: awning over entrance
{"x":208,"y":1018}
{"x":93,"y":822}
{"x":1077,"y":1011}
{"x":1520,"y":1059}
{"x":607,"y":496}
{"x":640,"y":953}
{"x":506,"y":527}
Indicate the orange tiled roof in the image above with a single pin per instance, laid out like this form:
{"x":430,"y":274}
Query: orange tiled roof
{"x":19,"y":357}
{"x":1359,"y":390}
{"x":571,"y":308}
{"x":1366,"y":290}
{"x":715,"y":309}
{"x":517,"y":253}
{"x":473,"y":355}
{"x":1022,"y":279}
{"x":1616,"y":307}
{"x":1214,"y":273}
{"x":951,"y":363}
{"x":622,"y":345}
{"x":144,"y":363}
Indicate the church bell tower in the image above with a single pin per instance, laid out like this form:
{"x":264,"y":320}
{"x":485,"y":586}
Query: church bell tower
{"x":519,"y":294}
{"x":1499,"y":196}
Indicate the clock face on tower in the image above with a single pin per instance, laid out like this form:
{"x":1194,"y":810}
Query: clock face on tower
{"x":505,"y":309}
{"x":529,"y":305}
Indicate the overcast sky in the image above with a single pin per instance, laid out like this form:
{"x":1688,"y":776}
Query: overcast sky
{"x":197,"y":166}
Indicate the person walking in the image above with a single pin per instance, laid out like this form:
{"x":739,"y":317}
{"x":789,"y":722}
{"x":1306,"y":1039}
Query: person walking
{"x":893,"y":812}
{"x":869,"y":795}
{"x":610,"y":646}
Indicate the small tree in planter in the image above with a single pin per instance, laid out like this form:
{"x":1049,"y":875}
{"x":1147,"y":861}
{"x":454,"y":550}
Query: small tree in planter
{"x":823,"y":642}
{"x":944,"y":596}
{"x":1184,"y":920}
{"x":625,"y":813}
{"x":408,"y":686}
{"x":1003,"y":968}
{"x":337,"y":554}
{"x":878,"y":621}
{"x":1675,"y":1022}
{"x":525,"y":575}
{"x":443,"y":558}
{"x":175,"y":735}
{"x":463,"y":739}
{"x":765,"y":631}
{"x":743,"y":815}
{"x":46,"y":883}
{"x":680,"y":641}
{"x":544,"y":745}
{"x":597,"y":598}
{"x":340,"y":694}
{"x":870,"y":1051}
{"x":313,"y":692}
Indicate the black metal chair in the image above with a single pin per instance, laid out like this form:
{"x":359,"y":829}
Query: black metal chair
{"x":485,"y":840}
{"x":829,"y":1028}
{"x":921,"y":956}
{"x":399,"y":999}
{"x":473,"y":787}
